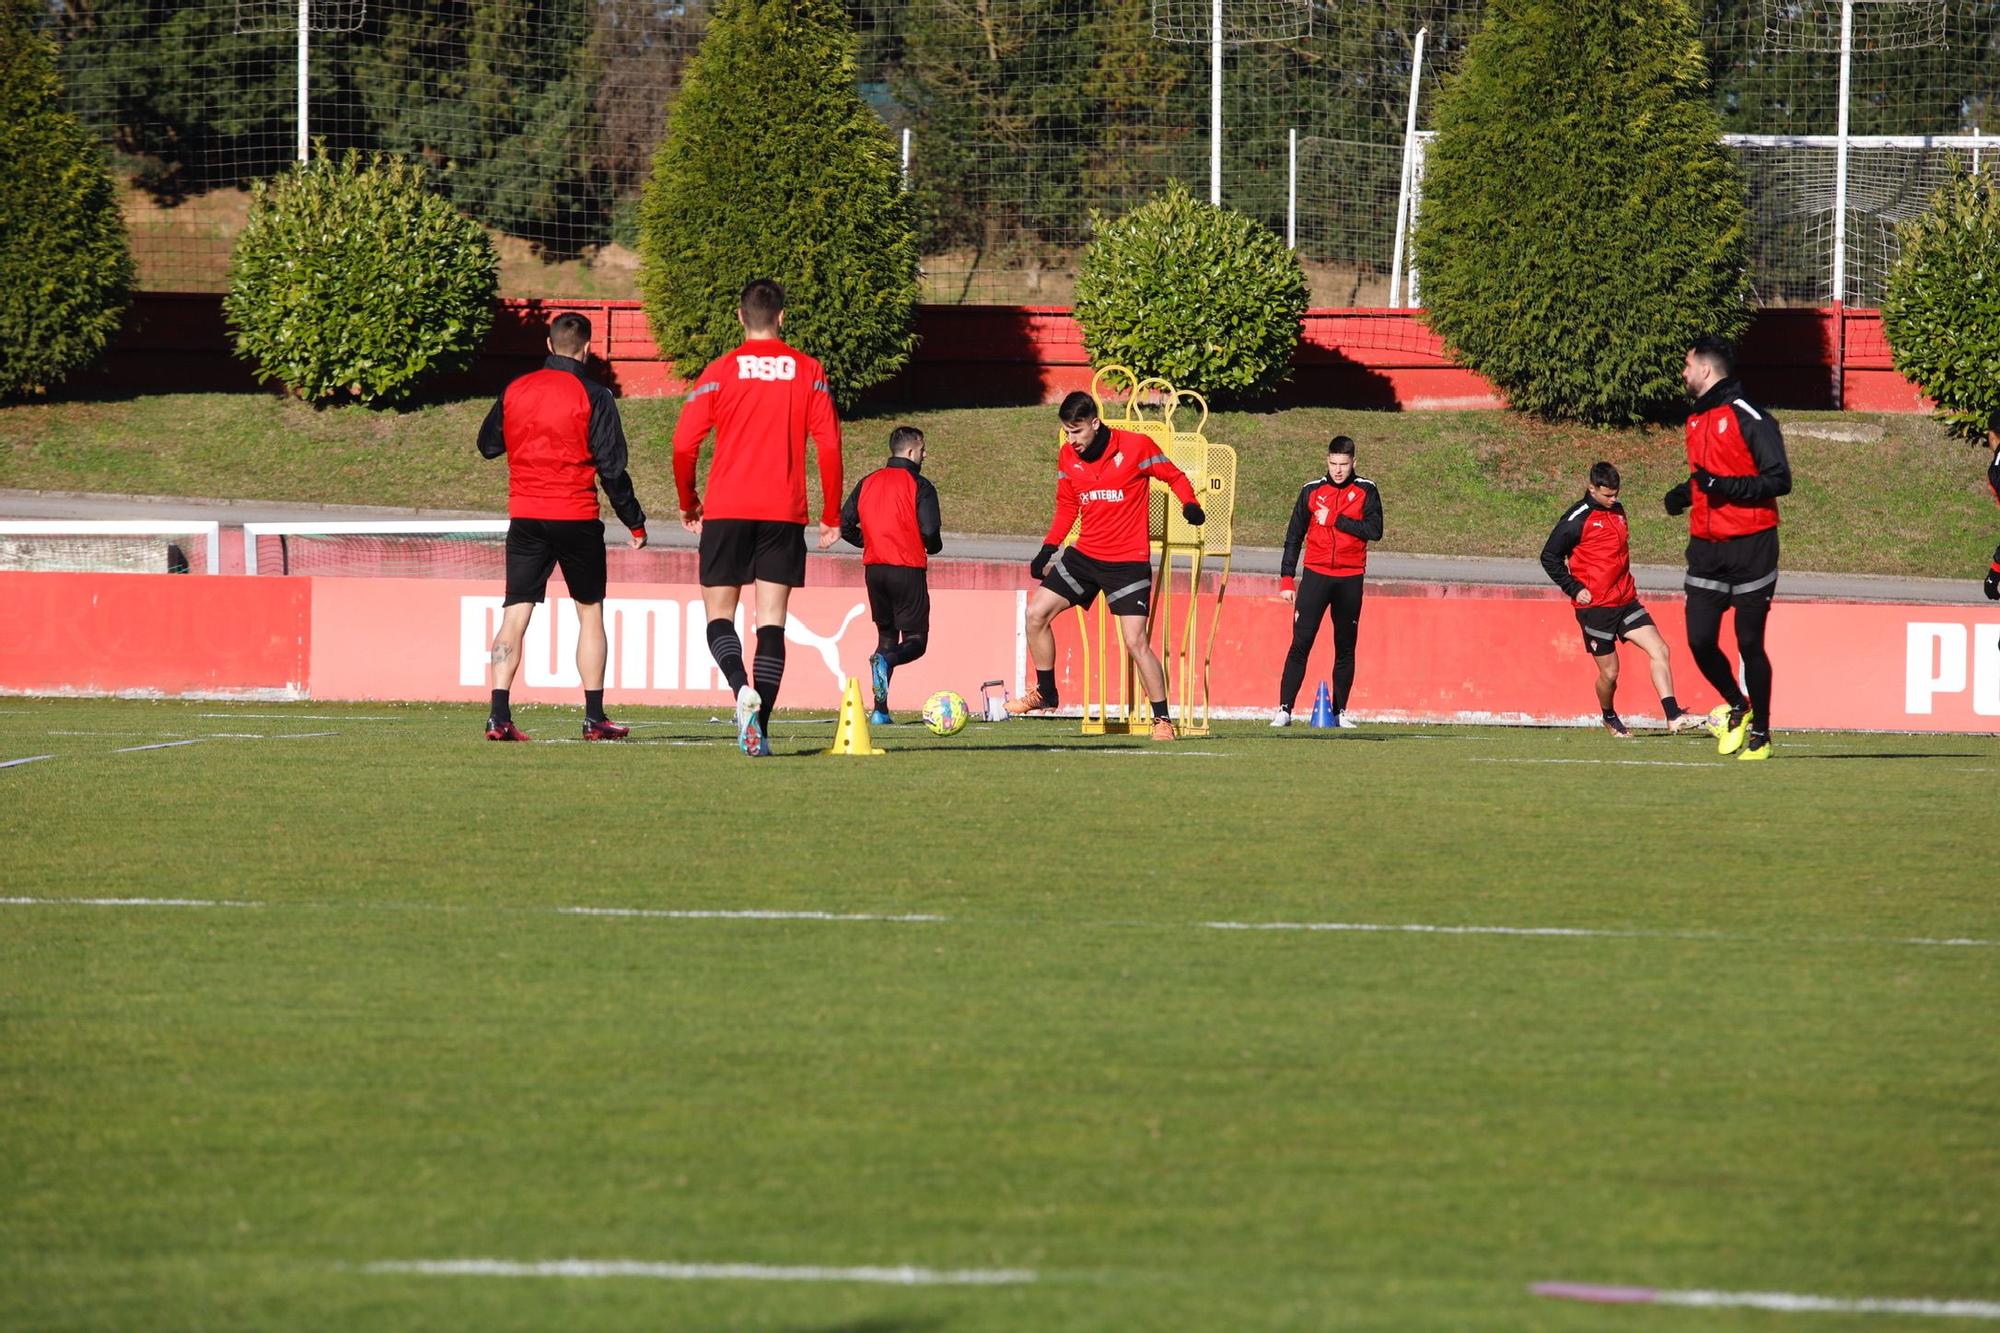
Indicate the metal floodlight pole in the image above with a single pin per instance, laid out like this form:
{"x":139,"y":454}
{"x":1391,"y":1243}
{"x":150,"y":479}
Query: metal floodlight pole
{"x":1292,"y":194}
{"x":1840,"y":154}
{"x":1215,"y":103}
{"x":305,"y":27}
{"x":1403,"y":190}
{"x":906,"y":157}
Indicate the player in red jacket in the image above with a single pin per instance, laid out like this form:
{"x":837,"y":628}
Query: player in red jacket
{"x":1589,"y":556}
{"x":562,"y":438}
{"x":762,"y":400}
{"x":1737,"y":470}
{"x":1335,"y":517}
{"x":1993,"y":480}
{"x":892,"y":515}
{"x":1103,"y":475}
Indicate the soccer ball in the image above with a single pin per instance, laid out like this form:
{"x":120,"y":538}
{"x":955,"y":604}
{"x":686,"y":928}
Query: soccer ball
{"x":945,"y":713}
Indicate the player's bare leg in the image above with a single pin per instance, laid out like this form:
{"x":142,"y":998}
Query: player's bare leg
{"x":1607,"y":693}
{"x":1136,"y":632}
{"x":591,"y":650}
{"x":502,"y":667}
{"x":1043,"y":607}
{"x":1652,"y":643}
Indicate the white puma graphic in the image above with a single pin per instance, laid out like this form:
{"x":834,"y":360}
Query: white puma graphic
{"x":796,"y":631}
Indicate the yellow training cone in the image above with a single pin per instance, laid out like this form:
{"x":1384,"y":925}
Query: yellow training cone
{"x":851,"y":735}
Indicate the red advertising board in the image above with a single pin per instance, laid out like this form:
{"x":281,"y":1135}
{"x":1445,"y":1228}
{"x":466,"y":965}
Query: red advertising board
{"x":1426,"y":653}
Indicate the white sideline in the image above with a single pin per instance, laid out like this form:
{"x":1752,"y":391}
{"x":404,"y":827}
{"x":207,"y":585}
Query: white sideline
{"x":125,"y":902}
{"x":1564,"y":932}
{"x":163,"y":745}
{"x":304,"y":717}
{"x":33,"y":758}
{"x":901,"y":1277}
{"x":746,"y":915}
{"x":1627,"y":763}
{"x":1783,"y":1301}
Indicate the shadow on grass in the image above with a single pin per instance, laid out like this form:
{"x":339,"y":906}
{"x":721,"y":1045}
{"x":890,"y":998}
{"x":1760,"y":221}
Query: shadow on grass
{"x":1891,"y":754}
{"x":893,"y":1324}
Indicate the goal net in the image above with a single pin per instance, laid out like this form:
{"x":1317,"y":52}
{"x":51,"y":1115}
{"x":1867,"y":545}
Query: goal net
{"x":109,"y":547}
{"x":468,"y":549}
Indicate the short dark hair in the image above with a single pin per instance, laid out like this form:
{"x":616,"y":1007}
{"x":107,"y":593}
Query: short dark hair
{"x":763,"y":300}
{"x":1718,"y":352}
{"x":1340,"y":444}
{"x":1993,"y":421}
{"x":904,"y":439}
{"x":1603,"y":474}
{"x":569,"y":333}
{"x":1077,"y":406}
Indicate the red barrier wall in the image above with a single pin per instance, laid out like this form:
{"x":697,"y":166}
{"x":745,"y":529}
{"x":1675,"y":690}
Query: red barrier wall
{"x":1426,"y":654}
{"x":969,"y":355}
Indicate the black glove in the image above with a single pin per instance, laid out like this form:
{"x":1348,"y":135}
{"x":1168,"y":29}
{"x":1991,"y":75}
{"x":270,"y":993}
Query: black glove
{"x":1993,"y":578}
{"x":1039,"y":566}
{"x":1678,"y":499}
{"x":1193,"y":513}
{"x":1705,"y":479}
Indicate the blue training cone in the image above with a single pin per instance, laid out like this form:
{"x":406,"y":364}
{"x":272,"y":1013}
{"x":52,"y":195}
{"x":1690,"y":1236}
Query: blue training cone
{"x":1322,"y":708}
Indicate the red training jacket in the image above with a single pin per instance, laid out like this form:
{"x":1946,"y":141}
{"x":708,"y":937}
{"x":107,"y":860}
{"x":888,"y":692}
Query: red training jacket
{"x":561,"y":435}
{"x":892,"y":515}
{"x":762,"y":400}
{"x":1591,"y":548}
{"x":1112,"y":495}
{"x":1333,"y":525}
{"x":1742,"y":450}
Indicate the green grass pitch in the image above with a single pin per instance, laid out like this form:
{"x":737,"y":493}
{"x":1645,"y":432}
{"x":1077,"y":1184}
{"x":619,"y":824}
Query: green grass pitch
{"x":1764,"y":1061}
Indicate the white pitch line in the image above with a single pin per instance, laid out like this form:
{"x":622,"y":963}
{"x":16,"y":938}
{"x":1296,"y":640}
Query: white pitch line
{"x":163,"y":745}
{"x":1629,"y":763}
{"x":31,"y":759}
{"x":125,"y":902}
{"x":1561,"y":932}
{"x":749,"y":915}
{"x":303,"y":717}
{"x":1782,"y":1301}
{"x":602,"y":1268}
{"x":1143,"y":754}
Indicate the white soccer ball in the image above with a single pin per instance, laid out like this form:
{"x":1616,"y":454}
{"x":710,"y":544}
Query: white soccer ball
{"x":945,"y":713}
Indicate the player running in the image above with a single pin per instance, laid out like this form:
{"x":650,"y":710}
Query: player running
{"x":1102,"y":473}
{"x":762,"y":400}
{"x":1336,"y":516}
{"x":1993,"y":480}
{"x":1589,"y":556}
{"x":562,"y":437}
{"x":892,"y":515}
{"x":1736,"y":471}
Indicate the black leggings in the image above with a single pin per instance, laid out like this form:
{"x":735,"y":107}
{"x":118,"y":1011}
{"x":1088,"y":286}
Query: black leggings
{"x":1321,"y":595}
{"x":1704,"y":627}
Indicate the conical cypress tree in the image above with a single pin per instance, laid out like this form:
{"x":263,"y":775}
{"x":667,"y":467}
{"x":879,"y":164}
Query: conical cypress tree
{"x":772,"y":166}
{"x":1582,"y":221}
{"x":1941,"y":312}
{"x":65,"y":265}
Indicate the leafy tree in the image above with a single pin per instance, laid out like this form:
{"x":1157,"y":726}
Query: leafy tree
{"x":352,"y":279}
{"x":773,"y":166}
{"x":65,"y":267}
{"x":1582,"y":222}
{"x":1942,"y":309}
{"x":1201,"y":295}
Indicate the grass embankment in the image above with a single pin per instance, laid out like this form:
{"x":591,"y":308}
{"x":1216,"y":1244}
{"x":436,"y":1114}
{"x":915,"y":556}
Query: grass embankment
{"x":1747,"y":1072}
{"x":1909,"y":502}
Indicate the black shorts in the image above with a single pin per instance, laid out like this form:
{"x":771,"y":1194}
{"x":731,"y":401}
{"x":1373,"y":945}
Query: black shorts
{"x":1604,"y":626}
{"x":736,"y":551}
{"x":535,"y":546}
{"x":1737,"y":569}
{"x":899,"y":598}
{"x":1127,"y":585}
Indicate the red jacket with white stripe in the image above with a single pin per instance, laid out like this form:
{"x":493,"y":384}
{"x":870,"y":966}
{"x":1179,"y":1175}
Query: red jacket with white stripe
{"x":1591,"y":549}
{"x":762,"y":400}
{"x":1736,"y":464}
{"x":1111,"y":492}
{"x":1332,"y":525}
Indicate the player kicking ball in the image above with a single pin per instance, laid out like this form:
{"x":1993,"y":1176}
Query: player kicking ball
{"x":1101,"y":474}
{"x":1589,"y":556}
{"x":892,"y":515}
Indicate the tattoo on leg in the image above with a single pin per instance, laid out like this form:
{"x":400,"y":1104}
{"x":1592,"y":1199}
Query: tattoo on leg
{"x":499,"y":652}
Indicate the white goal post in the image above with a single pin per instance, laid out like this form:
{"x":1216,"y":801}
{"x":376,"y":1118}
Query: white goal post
{"x":110,"y":546}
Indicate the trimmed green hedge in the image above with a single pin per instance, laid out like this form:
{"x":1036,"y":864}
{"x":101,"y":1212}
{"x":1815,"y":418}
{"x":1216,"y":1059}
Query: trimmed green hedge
{"x":353,"y":280}
{"x":1203,"y":296}
{"x":772,"y":166}
{"x":1941,"y":312}
{"x":1582,"y":222}
{"x":65,"y":265}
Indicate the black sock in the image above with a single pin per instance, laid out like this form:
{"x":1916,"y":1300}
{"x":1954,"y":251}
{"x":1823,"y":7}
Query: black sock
{"x":1672,"y":706}
{"x":1159,"y":710}
{"x":593,"y":705}
{"x":769,"y":669}
{"x":500,"y":710}
{"x":1610,"y":715}
{"x":727,"y":650}
{"x":1045,"y":685}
